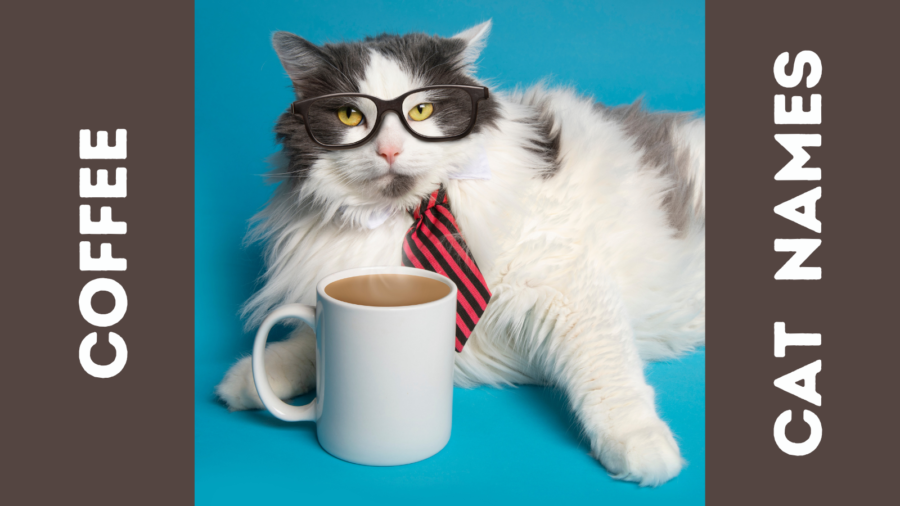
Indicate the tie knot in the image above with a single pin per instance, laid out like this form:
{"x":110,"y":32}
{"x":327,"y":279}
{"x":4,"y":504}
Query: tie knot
{"x":438,"y":197}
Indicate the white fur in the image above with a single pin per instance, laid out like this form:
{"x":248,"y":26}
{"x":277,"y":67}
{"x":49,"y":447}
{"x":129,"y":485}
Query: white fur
{"x":588,"y":277}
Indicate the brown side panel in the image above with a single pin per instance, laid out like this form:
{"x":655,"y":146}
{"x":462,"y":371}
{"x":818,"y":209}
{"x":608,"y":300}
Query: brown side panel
{"x":853,"y":306}
{"x":69,"y":437}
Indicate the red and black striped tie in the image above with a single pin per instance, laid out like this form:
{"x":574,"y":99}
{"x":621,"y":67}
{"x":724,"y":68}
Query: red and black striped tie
{"x":434,"y":243}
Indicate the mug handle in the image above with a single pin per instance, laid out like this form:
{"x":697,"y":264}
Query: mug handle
{"x":271,"y":401}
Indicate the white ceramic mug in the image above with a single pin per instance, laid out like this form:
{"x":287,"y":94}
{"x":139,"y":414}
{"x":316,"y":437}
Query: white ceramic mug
{"x":384,"y":375}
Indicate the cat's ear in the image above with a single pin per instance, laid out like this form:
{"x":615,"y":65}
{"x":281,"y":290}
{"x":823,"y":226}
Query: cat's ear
{"x":298,"y":56}
{"x":475,"y":39}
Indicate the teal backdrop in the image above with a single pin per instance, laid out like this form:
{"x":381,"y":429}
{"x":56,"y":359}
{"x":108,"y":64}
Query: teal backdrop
{"x":509,"y":446}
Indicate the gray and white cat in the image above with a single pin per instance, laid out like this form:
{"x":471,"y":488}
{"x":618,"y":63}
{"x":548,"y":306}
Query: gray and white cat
{"x":587,"y":222}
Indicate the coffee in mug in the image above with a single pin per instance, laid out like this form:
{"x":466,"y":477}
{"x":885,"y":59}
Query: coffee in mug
{"x":387,"y":290}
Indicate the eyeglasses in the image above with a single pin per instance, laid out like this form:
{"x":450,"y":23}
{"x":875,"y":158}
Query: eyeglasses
{"x":432,"y":114}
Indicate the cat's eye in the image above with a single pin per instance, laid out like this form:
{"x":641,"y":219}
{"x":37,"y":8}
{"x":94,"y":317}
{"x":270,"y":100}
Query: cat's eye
{"x":349,"y":115}
{"x":421,"y":112}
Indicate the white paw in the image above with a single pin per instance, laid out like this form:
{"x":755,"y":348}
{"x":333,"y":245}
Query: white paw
{"x":647,"y":455}
{"x":237,"y":388}
{"x":290,"y":366}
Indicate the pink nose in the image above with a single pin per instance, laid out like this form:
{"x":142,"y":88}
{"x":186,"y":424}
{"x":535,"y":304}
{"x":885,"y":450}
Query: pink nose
{"x":389,"y":152}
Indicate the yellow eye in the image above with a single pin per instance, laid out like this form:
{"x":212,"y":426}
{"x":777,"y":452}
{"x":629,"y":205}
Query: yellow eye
{"x":421,"y":112}
{"x":349,"y":115}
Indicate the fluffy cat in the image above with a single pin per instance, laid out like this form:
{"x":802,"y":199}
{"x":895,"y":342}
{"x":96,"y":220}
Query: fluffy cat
{"x":589,"y":230}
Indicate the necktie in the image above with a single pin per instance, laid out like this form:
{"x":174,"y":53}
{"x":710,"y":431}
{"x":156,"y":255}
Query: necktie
{"x":435,"y":243}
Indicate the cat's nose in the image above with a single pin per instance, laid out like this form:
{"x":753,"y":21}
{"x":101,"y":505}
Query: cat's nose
{"x":389,"y":151}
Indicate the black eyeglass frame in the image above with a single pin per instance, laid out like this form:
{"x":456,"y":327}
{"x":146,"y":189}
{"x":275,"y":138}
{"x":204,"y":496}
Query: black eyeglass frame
{"x":476,"y":93}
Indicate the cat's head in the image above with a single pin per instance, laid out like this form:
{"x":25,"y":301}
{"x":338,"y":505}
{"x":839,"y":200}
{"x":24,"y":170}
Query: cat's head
{"x":394,"y":168}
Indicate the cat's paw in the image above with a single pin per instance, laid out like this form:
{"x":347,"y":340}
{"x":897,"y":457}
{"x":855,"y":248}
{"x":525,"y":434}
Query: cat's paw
{"x":290,"y":366}
{"x":647,"y":455}
{"x":237,"y":388}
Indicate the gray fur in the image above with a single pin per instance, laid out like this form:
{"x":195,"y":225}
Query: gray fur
{"x":549,"y":132}
{"x":652,"y":133}
{"x":400,"y":185}
{"x":320,"y":70}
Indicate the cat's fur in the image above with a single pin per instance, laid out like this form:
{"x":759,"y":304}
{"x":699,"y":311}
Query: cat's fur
{"x":590,"y":233}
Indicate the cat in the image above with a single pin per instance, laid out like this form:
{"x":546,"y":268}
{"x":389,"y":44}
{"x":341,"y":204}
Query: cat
{"x":589,"y":228}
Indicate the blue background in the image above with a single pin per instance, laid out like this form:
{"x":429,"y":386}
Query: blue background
{"x":510,"y":446}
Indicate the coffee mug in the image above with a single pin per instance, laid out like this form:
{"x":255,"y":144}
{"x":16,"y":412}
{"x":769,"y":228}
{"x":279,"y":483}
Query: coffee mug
{"x":384,"y":375}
